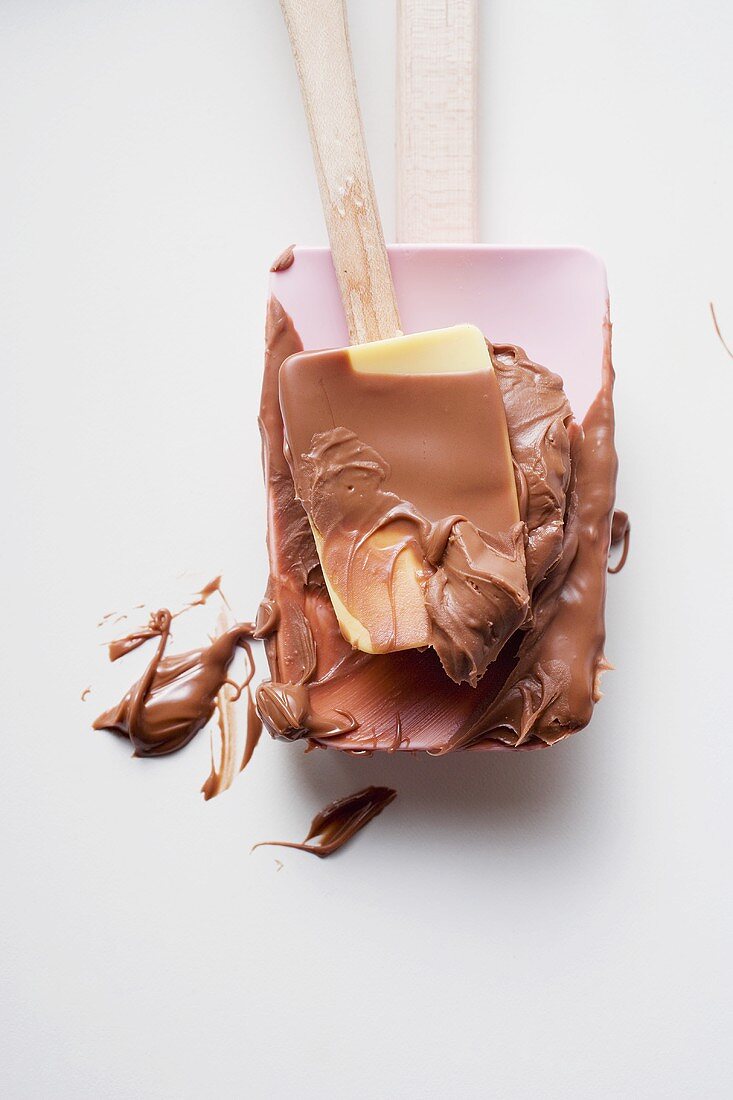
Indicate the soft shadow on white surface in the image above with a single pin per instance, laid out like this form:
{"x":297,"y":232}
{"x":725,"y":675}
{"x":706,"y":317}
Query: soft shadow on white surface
{"x":471,"y":801}
{"x":481,"y":791}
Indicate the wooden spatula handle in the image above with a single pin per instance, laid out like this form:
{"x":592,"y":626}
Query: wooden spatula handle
{"x":319,"y":37}
{"x":437,"y":193}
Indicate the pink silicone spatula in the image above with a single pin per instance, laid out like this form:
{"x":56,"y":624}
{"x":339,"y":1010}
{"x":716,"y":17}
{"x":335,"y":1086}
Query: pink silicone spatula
{"x":551,"y":301}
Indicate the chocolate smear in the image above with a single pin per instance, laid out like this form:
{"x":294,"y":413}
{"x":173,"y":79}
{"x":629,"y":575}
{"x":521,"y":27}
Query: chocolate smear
{"x":267,"y":618}
{"x":284,"y":260}
{"x":119,"y":647}
{"x":339,"y":821}
{"x":544,"y":682}
{"x":717,"y":329}
{"x":552,"y":690}
{"x":204,"y":594}
{"x":620,"y":536}
{"x":176,"y":695}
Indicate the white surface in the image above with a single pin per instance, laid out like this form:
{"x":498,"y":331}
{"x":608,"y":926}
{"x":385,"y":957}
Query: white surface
{"x":549,"y":925}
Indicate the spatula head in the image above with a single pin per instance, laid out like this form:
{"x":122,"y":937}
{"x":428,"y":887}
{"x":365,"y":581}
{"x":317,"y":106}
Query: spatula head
{"x":550,"y":301}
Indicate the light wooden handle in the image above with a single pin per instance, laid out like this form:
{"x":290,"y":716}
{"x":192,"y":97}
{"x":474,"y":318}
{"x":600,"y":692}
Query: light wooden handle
{"x":319,"y":37}
{"x":437,"y":178}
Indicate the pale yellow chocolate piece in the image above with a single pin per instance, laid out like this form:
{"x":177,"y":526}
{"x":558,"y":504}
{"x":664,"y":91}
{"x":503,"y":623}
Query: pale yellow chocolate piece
{"x":457,"y":350}
{"x":413,"y":625}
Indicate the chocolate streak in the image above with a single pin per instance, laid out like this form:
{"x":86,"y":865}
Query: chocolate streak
{"x":373,"y":458}
{"x":176,"y":695}
{"x":544,"y":682}
{"x":119,"y":647}
{"x":620,"y":536}
{"x":339,"y":821}
{"x":284,"y":260}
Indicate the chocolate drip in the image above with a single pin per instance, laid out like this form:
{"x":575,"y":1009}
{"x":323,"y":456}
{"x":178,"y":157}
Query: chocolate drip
{"x":295,"y":571}
{"x":222,"y":776}
{"x":122,"y":646}
{"x":176,"y":695}
{"x":204,"y":594}
{"x":339,"y":821}
{"x":620,"y":536}
{"x":284,"y":260}
{"x":267,"y":619}
{"x":119,"y":647}
{"x":718,"y":331}
{"x":476,"y":599}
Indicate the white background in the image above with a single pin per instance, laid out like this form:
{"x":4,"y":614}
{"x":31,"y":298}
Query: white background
{"x":551,"y":925}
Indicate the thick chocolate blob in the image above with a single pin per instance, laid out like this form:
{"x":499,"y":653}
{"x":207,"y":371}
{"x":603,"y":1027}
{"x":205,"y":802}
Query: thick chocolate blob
{"x":544,"y":682}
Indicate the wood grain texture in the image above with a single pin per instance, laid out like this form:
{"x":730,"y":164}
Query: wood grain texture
{"x":320,"y":42}
{"x":437,"y":191}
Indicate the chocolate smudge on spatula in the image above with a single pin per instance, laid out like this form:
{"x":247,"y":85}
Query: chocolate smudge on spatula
{"x":119,"y":647}
{"x":620,"y":536}
{"x":339,"y":821}
{"x":284,"y":260}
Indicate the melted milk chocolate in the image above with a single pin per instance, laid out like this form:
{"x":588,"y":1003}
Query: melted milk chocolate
{"x":119,"y":647}
{"x":284,"y":260}
{"x":176,"y":695}
{"x":544,"y":682}
{"x":339,"y":821}
{"x":415,"y":450}
{"x":374,"y":489}
{"x":718,"y":331}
